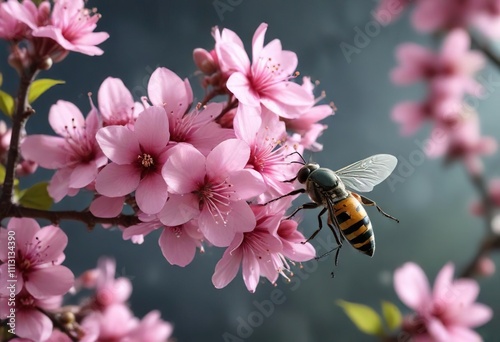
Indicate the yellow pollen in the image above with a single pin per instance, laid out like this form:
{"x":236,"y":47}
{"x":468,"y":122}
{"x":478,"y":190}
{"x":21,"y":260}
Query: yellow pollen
{"x":146,"y":160}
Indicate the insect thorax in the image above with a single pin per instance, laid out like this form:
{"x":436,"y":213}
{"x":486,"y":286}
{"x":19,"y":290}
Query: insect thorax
{"x":324,"y":183}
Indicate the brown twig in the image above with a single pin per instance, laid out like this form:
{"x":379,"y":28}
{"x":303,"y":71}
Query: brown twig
{"x":486,"y":49}
{"x":83,"y":216}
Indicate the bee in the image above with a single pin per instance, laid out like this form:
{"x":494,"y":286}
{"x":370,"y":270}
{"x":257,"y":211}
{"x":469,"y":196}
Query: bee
{"x":334,"y":191}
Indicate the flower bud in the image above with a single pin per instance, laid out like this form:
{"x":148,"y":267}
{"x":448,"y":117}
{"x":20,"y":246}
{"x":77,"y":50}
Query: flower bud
{"x":485,"y":267}
{"x":204,"y":61}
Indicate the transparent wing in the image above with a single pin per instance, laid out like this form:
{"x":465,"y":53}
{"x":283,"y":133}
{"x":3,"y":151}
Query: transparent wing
{"x":363,"y":175}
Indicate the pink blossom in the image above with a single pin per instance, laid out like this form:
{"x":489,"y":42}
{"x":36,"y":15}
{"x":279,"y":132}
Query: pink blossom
{"x":114,"y":323}
{"x":178,"y":244}
{"x":151,"y":329}
{"x":103,"y":206}
{"x":305,"y":128}
{"x":212,"y":189}
{"x":108,"y":290}
{"x":462,"y":140}
{"x":389,"y":10}
{"x":455,"y":64}
{"x":11,"y":28}
{"x":264,"y":133}
{"x":75,"y":154}
{"x":30,"y":323}
{"x":448,"y":312}
{"x":265,"y":81}
{"x":292,"y":240}
{"x":71,"y":26}
{"x":137,"y":158}
{"x":39,"y":253}
{"x":116,"y":104}
{"x":260,"y":252}
{"x":196,"y":127}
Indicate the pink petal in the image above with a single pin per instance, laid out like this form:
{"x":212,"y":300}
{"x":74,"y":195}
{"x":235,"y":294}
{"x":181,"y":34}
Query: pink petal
{"x":103,"y":206}
{"x":63,"y":116}
{"x":229,"y":156}
{"x":258,"y":40}
{"x":178,"y":248}
{"x":455,"y":44}
{"x":179,"y":209}
{"x":412,"y":287}
{"x":409,"y":115}
{"x":118,"y":144}
{"x":50,"y":281}
{"x":227,"y":267}
{"x":251,"y":271}
{"x":438,"y":331}
{"x":151,"y":129}
{"x":247,"y":122}
{"x":443,"y":288}
{"x":117,"y":180}
{"x":473,"y":316}
{"x":52,"y":241}
{"x":215,"y":231}
{"x":49,"y":152}
{"x":83,"y":175}
{"x":247,"y":183}
{"x":166,"y":89}
{"x":240,"y":86}
{"x":114,"y":99}
{"x":241,"y":218}
{"x":33,"y":325}
{"x":287,"y":99}
{"x":184,"y":169}
{"x":233,"y":58}
{"x":462,"y":334}
{"x":26,"y":229}
{"x":59,"y":184}
{"x":151,"y":193}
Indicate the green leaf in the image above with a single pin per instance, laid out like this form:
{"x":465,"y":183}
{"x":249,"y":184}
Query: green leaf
{"x":36,"y":197}
{"x":2,"y":173}
{"x":40,"y":86}
{"x":392,"y":315}
{"x":1,"y":79}
{"x":364,"y":317}
{"x":6,"y":103}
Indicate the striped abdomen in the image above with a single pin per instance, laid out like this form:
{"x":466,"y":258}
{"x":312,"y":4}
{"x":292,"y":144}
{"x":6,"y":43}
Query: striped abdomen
{"x":355,"y":224}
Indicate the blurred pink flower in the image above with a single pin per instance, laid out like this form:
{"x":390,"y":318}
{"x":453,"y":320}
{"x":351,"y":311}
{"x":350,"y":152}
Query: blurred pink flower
{"x":11,"y":28}
{"x":137,"y":158}
{"x":151,"y":329}
{"x":455,"y":64}
{"x":39,"y":253}
{"x":447,"y":313}
{"x":30,"y":322}
{"x":213,"y":189}
{"x":265,"y":81}
{"x":108,"y":289}
{"x":477,"y":207}
{"x":116,"y":105}
{"x":462,"y":140}
{"x":75,"y":154}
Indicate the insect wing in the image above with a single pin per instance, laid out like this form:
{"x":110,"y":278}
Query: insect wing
{"x":363,"y":175}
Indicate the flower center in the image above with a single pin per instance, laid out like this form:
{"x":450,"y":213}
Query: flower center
{"x":217,"y":198}
{"x":146,"y":160}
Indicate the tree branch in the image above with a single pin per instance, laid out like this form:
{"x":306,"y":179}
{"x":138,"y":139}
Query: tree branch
{"x":83,"y":216}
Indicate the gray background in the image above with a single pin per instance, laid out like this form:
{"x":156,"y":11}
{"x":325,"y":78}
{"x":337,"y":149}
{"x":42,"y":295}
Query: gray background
{"x":432,"y":202}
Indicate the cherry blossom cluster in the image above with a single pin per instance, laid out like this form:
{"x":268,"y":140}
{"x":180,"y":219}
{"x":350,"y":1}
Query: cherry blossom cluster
{"x":430,"y":16}
{"x":449,"y":75}
{"x":199,"y":172}
{"x":43,"y":34}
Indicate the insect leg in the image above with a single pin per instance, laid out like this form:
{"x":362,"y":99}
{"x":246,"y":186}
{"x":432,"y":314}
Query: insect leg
{"x":369,"y":202}
{"x":294,"y":192}
{"x":334,"y":231}
{"x":310,"y":205}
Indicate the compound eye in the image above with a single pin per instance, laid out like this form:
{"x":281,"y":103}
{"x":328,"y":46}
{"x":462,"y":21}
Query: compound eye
{"x":303,"y":174}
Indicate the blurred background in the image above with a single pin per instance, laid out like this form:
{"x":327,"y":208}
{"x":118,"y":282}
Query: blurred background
{"x":431,"y":201}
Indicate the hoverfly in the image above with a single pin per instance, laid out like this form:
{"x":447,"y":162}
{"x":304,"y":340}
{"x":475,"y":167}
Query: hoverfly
{"x":333,"y":190}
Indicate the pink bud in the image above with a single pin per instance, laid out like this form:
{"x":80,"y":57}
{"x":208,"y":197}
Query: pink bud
{"x":204,"y":61}
{"x":485,"y":267}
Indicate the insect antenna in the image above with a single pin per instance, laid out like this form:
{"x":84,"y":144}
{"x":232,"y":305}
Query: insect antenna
{"x":297,"y":162}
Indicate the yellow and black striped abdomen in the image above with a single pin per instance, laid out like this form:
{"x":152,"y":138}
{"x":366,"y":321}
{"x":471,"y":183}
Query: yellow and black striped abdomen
{"x":355,"y":224}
